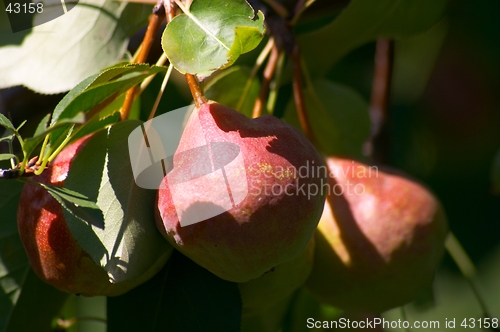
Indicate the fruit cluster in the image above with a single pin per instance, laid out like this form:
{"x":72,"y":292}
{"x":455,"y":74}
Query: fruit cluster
{"x":370,"y":248}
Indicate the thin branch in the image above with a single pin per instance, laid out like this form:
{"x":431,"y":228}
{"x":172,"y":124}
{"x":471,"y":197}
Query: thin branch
{"x":258,"y":63}
{"x":278,"y":8}
{"x":298,"y":93}
{"x":266,"y":81}
{"x":155,"y":20}
{"x":160,"y":93}
{"x":199,"y":98}
{"x":384,"y":58}
{"x":275,"y":84}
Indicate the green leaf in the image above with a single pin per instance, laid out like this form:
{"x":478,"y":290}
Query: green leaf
{"x":495,"y":174}
{"x":102,"y":172}
{"x":212,"y":35}
{"x":99,"y":93}
{"x":110,"y":82}
{"x":182,"y":297}
{"x":338,"y":116}
{"x":5,"y":122}
{"x":228,"y":87}
{"x":91,"y":36}
{"x":6,"y":156}
{"x":364,"y":21}
{"x":75,"y":203}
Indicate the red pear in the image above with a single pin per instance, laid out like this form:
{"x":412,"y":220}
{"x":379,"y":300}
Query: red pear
{"x":54,"y":254}
{"x":379,"y":241}
{"x":242,"y":196}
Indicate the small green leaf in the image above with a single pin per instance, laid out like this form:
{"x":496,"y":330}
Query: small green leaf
{"x":6,"y":156}
{"x":5,"y":122}
{"x":181,"y":297}
{"x":338,"y":116}
{"x":42,"y":126}
{"x":90,"y":37}
{"x":364,"y":21}
{"x":102,"y":172}
{"x":228,"y":88}
{"x":495,"y":174}
{"x":212,"y":35}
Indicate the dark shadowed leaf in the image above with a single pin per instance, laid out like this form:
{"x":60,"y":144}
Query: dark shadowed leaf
{"x":219,"y":31}
{"x":183,"y":297}
{"x":37,"y":306}
{"x":364,"y":21}
{"x":14,"y":263}
{"x":24,"y":298}
{"x":338,"y":116}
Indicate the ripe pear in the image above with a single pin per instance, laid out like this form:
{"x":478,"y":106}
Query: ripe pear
{"x":379,"y":241}
{"x":54,"y":253}
{"x":259,"y":294}
{"x":242,"y":196}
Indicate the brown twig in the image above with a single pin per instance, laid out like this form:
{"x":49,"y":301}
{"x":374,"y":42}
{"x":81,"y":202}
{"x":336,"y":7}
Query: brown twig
{"x":199,"y":98}
{"x":298,"y":94}
{"x":268,"y":74}
{"x":155,"y":20}
{"x":384,"y":58}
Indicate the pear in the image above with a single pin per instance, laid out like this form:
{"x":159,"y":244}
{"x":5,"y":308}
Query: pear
{"x":54,"y":254}
{"x":243,"y":195}
{"x":379,"y":241}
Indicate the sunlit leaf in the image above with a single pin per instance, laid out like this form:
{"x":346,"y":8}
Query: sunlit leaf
{"x":102,"y":172}
{"x":55,"y":56}
{"x":212,"y":35}
{"x":6,"y":156}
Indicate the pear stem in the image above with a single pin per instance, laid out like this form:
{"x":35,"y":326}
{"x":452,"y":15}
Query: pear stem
{"x":268,"y":74}
{"x":199,"y":98}
{"x":155,"y":20}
